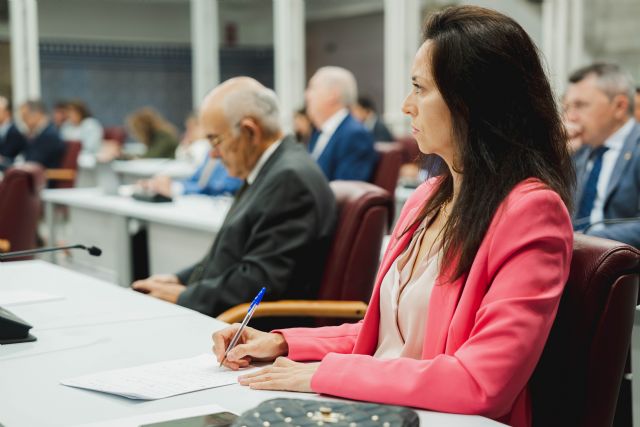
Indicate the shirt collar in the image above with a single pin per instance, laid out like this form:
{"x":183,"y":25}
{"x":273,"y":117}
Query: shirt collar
{"x":332,"y":123}
{"x":616,"y":140}
{"x":262,"y":160}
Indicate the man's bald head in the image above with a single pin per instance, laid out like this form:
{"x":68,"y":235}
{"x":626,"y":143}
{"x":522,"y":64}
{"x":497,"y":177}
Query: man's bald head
{"x":241,"y":97}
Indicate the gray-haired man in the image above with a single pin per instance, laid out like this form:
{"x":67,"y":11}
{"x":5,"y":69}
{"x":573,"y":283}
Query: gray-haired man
{"x":280,"y":225}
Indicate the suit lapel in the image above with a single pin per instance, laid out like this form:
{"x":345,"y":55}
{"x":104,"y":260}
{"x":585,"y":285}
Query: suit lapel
{"x":623,"y":161}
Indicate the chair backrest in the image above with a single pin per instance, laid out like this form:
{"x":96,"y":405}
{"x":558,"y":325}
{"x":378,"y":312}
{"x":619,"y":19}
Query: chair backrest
{"x":20,"y":206}
{"x":69,"y":161}
{"x":115,"y":133}
{"x":577,"y":380}
{"x":390,"y":156}
{"x":410,"y":150}
{"x":352,"y":262}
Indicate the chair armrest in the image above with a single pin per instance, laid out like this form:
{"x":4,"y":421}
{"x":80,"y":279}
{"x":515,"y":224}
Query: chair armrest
{"x":60,"y":174}
{"x":298,"y":308}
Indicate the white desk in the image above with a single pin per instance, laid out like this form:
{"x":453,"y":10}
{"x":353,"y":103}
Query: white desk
{"x":30,"y":393}
{"x":131,"y":171}
{"x":179,"y":233}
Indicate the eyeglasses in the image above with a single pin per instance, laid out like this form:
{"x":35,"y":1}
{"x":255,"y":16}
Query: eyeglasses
{"x":216,"y":140}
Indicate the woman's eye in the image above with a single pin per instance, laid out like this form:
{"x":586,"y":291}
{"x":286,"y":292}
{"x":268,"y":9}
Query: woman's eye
{"x":416,"y":89}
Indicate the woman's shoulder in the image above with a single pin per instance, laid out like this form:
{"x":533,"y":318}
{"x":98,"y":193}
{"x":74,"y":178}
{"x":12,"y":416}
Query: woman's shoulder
{"x":532,"y":190}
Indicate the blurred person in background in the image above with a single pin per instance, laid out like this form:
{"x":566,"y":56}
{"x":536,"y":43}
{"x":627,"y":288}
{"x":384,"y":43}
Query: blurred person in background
{"x":302,"y":126}
{"x":342,"y":146}
{"x":637,"y":104}
{"x":599,"y":114}
{"x":193,"y":147}
{"x":81,"y":126}
{"x":12,"y":141}
{"x":365,"y":111}
{"x":59,"y":114}
{"x":43,"y":145}
{"x":151,"y":129}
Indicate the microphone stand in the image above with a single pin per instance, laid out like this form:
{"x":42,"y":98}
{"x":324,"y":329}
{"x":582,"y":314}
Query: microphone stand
{"x":92,"y":251}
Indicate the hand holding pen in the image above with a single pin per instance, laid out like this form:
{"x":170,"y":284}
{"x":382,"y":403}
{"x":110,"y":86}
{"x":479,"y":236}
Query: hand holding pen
{"x":246,"y":319}
{"x":255,"y":345}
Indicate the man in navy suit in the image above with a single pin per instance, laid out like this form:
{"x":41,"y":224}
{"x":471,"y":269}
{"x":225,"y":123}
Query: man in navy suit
{"x":12,"y":142}
{"x":44,"y":145}
{"x":342,"y":146}
{"x":599,"y":108}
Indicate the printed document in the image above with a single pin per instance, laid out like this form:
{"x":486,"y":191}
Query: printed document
{"x":160,"y":380}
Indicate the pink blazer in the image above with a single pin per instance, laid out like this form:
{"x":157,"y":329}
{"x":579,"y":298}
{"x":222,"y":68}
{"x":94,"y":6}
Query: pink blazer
{"x":485,"y":331}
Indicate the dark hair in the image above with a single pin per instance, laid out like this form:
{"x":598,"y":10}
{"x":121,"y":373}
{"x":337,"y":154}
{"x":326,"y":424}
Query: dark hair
{"x":80,"y":107}
{"x":35,"y":106}
{"x":366,"y":103}
{"x":506,"y":125}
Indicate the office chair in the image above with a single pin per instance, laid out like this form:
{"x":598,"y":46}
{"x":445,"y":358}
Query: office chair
{"x":578,"y":377}
{"x":388,"y":168}
{"x":65,"y":175}
{"x":352,"y":262}
{"x":20,"y":206}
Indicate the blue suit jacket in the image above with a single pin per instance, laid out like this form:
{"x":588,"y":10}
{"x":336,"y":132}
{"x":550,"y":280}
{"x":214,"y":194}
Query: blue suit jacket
{"x":622,"y":199}
{"x":219,"y":181}
{"x":349,"y":154}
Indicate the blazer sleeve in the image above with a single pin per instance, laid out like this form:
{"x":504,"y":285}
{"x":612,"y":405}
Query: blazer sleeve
{"x":628,"y":233}
{"x":287,"y":224}
{"x":357,"y":157}
{"x":528,"y":253}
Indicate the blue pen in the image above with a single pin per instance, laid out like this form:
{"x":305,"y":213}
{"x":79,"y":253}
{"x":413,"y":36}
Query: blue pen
{"x":246,"y":319}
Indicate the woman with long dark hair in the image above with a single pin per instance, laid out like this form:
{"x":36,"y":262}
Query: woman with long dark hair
{"x":471,"y":280}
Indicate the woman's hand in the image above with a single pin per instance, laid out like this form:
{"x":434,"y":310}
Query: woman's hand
{"x":284,"y":374}
{"x":253,"y":345}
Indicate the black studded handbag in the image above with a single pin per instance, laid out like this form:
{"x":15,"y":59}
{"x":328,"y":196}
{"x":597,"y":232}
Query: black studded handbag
{"x":303,"y":413}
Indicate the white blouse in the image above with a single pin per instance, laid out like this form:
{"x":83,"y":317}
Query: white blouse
{"x":404,"y":301}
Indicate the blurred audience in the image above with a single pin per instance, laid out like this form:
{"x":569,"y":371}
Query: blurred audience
{"x":302,"y":126}
{"x":43,"y":144}
{"x":12,"y":141}
{"x":342,"y":146}
{"x":194,"y":146}
{"x":81,"y":126}
{"x":365,"y":111}
{"x":599,"y":107}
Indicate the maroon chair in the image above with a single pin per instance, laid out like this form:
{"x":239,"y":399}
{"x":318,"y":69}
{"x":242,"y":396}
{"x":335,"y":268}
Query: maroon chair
{"x":65,"y":176}
{"x":388,"y":168}
{"x":115,"y":133}
{"x":352,"y":261}
{"x":577,"y":380}
{"x":410,"y":150}
{"x":20,"y":206}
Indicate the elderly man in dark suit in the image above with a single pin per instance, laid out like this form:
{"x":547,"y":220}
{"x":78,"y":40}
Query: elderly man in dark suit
{"x":599,"y":107}
{"x":342,"y":146}
{"x":280,"y":225}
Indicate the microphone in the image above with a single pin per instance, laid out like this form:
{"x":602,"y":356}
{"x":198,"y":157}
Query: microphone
{"x":91,"y":249}
{"x":611,"y":221}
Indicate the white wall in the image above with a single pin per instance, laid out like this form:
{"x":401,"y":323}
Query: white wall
{"x":114,"y":21}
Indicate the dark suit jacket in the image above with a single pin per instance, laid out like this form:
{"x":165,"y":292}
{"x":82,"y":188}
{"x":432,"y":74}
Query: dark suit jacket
{"x":46,"y":148}
{"x":13,"y":143}
{"x":622,"y":198}
{"x":349,"y":154}
{"x":276,"y":235}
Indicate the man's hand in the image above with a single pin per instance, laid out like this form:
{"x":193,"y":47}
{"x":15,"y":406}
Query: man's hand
{"x":163,"y":286}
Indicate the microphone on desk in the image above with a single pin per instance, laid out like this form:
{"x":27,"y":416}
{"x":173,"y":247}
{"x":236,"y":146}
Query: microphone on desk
{"x":91,"y":249}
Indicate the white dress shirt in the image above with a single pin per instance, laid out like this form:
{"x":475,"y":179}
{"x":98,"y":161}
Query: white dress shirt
{"x":262,"y":160}
{"x":327,"y":130}
{"x":614,"y":144}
